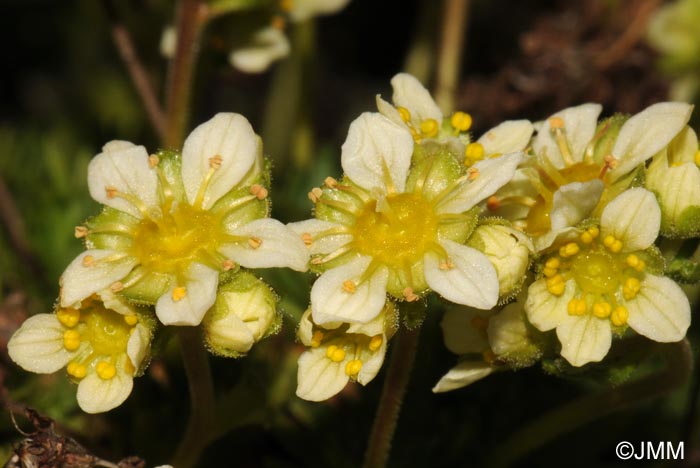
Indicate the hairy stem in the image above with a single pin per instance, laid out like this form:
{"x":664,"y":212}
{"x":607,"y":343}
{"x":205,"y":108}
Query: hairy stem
{"x":454,"y":22}
{"x":402,"y":358}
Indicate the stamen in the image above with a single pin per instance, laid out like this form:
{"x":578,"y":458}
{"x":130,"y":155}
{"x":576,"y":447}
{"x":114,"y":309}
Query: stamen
{"x":315,"y":194}
{"x":472,"y":153}
{"x":179,"y":293}
{"x":215,"y":162}
{"x":493,"y":203}
{"x":117,"y":286}
{"x":88,"y":261}
{"x":446,"y":265}
{"x":131,"y":319}
{"x":80,"y":232}
{"x":255,"y":242}
{"x":76,"y":370}
{"x":228,"y":265}
{"x":697,"y":158}
{"x":317,"y":339}
{"x":409,"y":295}
{"x":105,"y":370}
{"x":473,"y":173}
{"x":335,"y":353}
{"x":461,"y":121}
{"x":111,"y":191}
{"x":577,"y":307}
{"x":556,"y":125}
{"x":569,"y":250}
{"x":353,"y":367}
{"x":556,"y":285}
{"x":330,"y":182}
{"x":259,"y":191}
{"x":404,"y":113}
{"x":153,"y":161}
{"x":331,"y":256}
{"x":349,"y":286}
{"x":619,"y":316}
{"x":375,"y":343}
{"x":602,"y":309}
{"x":609,"y":162}
{"x":429,"y":127}
{"x":68,"y":317}
{"x":630,"y":288}
{"x":307,"y":238}
{"x":71,"y":340}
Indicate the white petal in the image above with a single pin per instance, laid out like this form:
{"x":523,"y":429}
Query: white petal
{"x":493,"y":173}
{"x":124,"y":167}
{"x":574,"y":202}
{"x":647,"y":133}
{"x":377,"y":152}
{"x":325,"y":244}
{"x":584,"y":339}
{"x":280,"y":246}
{"x":509,"y":137}
{"x":579,"y":127}
{"x":463,"y":374}
{"x":411,"y":94}
{"x":507,"y":330}
{"x":330,"y":302}
{"x":472,"y":281}
{"x":230,"y":333}
{"x":228,"y":136}
{"x":660,"y":311}
{"x":370,"y":367}
{"x":200,"y":294}
{"x":306,"y":9}
{"x":96,"y":395}
{"x":633,"y":217}
{"x":461,"y":336}
{"x":79,"y":281}
{"x":38,"y":345}
{"x":319,"y":378}
{"x":138,"y":344}
{"x":267,"y":46}
{"x":678,"y":190}
{"x":389,"y":111}
{"x":545,"y":310}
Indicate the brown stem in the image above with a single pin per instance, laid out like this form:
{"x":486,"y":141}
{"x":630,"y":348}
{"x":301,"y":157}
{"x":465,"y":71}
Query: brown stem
{"x":403,"y":356}
{"x":192,"y":16}
{"x":454,"y":23}
{"x":200,"y":426}
{"x":137,"y":72}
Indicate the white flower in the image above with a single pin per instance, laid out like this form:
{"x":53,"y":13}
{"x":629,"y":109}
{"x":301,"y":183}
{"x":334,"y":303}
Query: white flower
{"x":388,"y":229}
{"x":601,"y":283}
{"x":173,"y":224}
{"x":103,"y":344}
{"x":341,"y":353}
{"x":267,"y":46}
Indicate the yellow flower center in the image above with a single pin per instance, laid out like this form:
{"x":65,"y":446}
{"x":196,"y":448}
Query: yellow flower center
{"x":399,"y":233}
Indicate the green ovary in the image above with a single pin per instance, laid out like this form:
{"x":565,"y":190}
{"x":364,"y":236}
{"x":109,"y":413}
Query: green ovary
{"x":597,"y":272}
{"x":106,"y":331}
{"x":399,"y":234}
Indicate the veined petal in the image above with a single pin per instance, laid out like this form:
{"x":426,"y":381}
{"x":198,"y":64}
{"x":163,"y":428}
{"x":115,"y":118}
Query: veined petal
{"x":319,"y":378}
{"x":660,"y":311}
{"x":574,"y":202}
{"x":137,"y":346}
{"x":545,"y":310}
{"x":226,"y":145}
{"x":579,"y":127}
{"x":647,"y":133}
{"x":411,"y":94}
{"x":470,"y":279}
{"x":463,"y":374}
{"x":321,"y":244}
{"x":333,"y":301}
{"x":199,"y":295}
{"x":377,"y":153}
{"x":96,"y":395}
{"x":370,"y":367}
{"x":509,"y":137}
{"x":272,"y":245}
{"x":267,"y":46}
{"x":459,"y":332}
{"x":584,"y":339}
{"x":633,"y":217}
{"x":92,"y":271}
{"x":123,"y":166}
{"x":491,"y":174}
{"x":38,"y":345}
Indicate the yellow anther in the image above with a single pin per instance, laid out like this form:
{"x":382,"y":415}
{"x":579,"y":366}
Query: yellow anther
{"x":549,"y":272}
{"x":446,"y":265}
{"x":602,"y":309}
{"x":131,"y":319}
{"x":88,"y":260}
{"x":349,"y":286}
{"x":105,"y":370}
{"x":556,"y":122}
{"x":317,"y":339}
{"x":68,"y":317}
{"x":307,"y":238}
{"x":631,"y":288}
{"x":80,"y":232}
{"x":429,"y":128}
{"x":556,"y":285}
{"x":489,"y":356}
{"x":473,"y":173}
{"x":479,"y":323}
{"x":632,"y":260}
{"x":552,"y":262}
{"x":129,"y":367}
{"x":153,"y":161}
{"x":569,"y":250}
{"x":375,"y":343}
{"x":179,"y":293}
{"x":335,"y":353}
{"x":404,"y":113}
{"x":215,"y":161}
{"x":71,"y":340}
{"x":577,"y":307}
{"x":493,"y":203}
{"x":495,"y":155}
{"x":616,"y":247}
{"x":409,"y":295}
{"x":593,"y":231}
{"x":697,"y":158}
{"x":255,"y":242}
{"x":619,"y":316}
{"x":315,"y":194}
{"x":330,"y":182}
{"x":116,"y":286}
{"x":415,"y":134}
{"x":461,"y":121}
{"x":609,"y":241}
{"x":228,"y":265}
{"x":111,"y":191}
{"x":259,"y":191}
{"x":640,"y":266}
{"x":473,"y":152}
{"x":353,"y":367}
{"x":610,"y":161}
{"x":76,"y":370}
{"x":278,"y":23}
{"x":586,"y":237}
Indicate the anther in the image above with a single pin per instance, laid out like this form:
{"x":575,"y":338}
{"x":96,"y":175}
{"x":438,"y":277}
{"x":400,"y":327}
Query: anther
{"x":228,"y":265}
{"x":556,"y":123}
{"x":593,"y":231}
{"x":255,"y":242}
{"x":446,"y":265}
{"x":586,"y":237}
{"x":330,"y":182}
{"x":404,"y":113}
{"x":473,"y":173}
{"x":375,"y":343}
{"x":131,"y":319}
{"x":315,"y":194}
{"x":349,"y":286}
{"x":602,"y":309}
{"x":493,"y":203}
{"x":609,"y":241}
{"x":555,"y":285}
{"x":71,"y":340}
{"x":577,"y":307}
{"x":429,"y":127}
{"x":552,"y":262}
{"x":117,"y":286}
{"x":105,"y":370}
{"x":111,"y":191}
{"x":697,"y":158}
{"x":569,"y":250}
{"x":619,"y":316}
{"x":259,"y":191}
{"x":76,"y":370}
{"x":473,"y":152}
{"x":215,"y":161}
{"x":307,"y":238}
{"x":317,"y":339}
{"x":632,"y":260}
{"x":80,"y":232}
{"x":353,"y":367}
{"x":179,"y":293}
{"x":153,"y":161}
{"x":616,"y":246}
{"x":409,"y":295}
{"x":461,"y":121}
{"x":68,"y":317}
{"x":88,"y":260}
{"x":335,"y":353}
{"x":609,"y":162}
{"x":630,"y":288}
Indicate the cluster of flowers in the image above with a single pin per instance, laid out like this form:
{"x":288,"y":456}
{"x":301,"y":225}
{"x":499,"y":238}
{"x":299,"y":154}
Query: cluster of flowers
{"x":530,"y":228}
